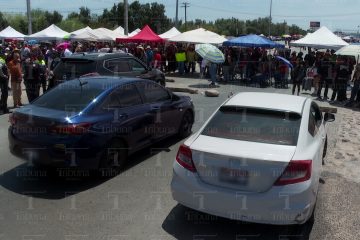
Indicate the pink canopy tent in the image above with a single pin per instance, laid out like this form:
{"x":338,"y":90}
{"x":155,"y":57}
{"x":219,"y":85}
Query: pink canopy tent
{"x":145,"y":35}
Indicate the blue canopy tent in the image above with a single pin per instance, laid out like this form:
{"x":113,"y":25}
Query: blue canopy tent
{"x":252,"y":41}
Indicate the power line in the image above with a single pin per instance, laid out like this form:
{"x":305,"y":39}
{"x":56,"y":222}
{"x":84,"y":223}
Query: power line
{"x":185,"y":5}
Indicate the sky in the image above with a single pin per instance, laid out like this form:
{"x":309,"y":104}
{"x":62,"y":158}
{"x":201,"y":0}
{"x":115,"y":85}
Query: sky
{"x":335,"y":14}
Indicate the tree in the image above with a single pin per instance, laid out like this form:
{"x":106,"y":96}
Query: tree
{"x":17,"y":21}
{"x":152,"y":14}
{"x":139,"y":14}
{"x":3,"y":22}
{"x":71,"y":24}
{"x":85,"y":15}
{"x":53,"y":18}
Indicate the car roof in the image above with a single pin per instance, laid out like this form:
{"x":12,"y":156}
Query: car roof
{"x":96,"y":56}
{"x":105,"y":82}
{"x":276,"y":101}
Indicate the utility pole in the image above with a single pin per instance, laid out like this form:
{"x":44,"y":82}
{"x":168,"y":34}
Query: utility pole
{"x":29,"y":17}
{"x":185,"y":5}
{"x":270,"y":18}
{"x":126,"y":17}
{"x":177,"y":14}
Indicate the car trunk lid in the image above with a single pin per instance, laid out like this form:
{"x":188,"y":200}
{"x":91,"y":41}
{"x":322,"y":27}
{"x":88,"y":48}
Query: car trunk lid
{"x":239,"y":165}
{"x":30,"y":123}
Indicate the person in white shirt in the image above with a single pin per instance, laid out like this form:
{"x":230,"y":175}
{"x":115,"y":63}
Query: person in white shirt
{"x":67,"y":52}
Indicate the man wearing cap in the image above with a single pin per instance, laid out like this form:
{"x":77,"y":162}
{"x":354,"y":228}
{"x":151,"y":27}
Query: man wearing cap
{"x":4,"y":82}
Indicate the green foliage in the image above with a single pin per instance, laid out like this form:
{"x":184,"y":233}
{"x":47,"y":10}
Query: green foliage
{"x":71,"y":24}
{"x":41,"y":19}
{"x":236,"y":27}
{"x":18,"y":22}
{"x":3,"y":22}
{"x":85,"y":15}
{"x":152,"y":14}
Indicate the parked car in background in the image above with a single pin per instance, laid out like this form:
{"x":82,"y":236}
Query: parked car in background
{"x":257,"y":159}
{"x":105,"y":64}
{"x":97,"y":122}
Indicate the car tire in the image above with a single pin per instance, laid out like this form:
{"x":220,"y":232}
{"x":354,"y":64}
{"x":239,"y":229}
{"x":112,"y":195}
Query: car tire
{"x":114,"y":155}
{"x":305,"y":229}
{"x":324,"y":152}
{"x":186,"y":125}
{"x":162,"y":82}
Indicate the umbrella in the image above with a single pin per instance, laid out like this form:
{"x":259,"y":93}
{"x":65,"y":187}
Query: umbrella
{"x":252,"y":41}
{"x":32,"y":42}
{"x":350,"y":50}
{"x":63,"y":45}
{"x":287,"y":62}
{"x":210,"y":53}
{"x":286,"y":36}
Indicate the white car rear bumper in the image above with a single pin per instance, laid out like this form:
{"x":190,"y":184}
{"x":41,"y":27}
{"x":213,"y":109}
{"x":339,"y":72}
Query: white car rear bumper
{"x":291,"y":204}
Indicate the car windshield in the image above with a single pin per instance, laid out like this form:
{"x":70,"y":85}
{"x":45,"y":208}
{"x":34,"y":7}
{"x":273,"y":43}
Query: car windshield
{"x":70,"y":96}
{"x":255,"y":125}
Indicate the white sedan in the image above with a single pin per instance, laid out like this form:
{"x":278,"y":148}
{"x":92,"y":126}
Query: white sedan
{"x":257,"y":159}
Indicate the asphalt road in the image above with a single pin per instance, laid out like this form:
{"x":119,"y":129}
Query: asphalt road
{"x":137,"y":203}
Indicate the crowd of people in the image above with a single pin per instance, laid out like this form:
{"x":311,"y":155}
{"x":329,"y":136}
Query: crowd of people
{"x":315,"y":71}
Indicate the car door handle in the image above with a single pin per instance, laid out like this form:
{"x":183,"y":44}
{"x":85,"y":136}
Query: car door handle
{"x":123,"y":116}
{"x":155,"y":108}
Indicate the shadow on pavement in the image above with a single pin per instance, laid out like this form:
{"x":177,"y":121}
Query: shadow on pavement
{"x":47,"y":183}
{"x":59,"y":183}
{"x":203,"y":86}
{"x":185,"y":75}
{"x":185,"y":223}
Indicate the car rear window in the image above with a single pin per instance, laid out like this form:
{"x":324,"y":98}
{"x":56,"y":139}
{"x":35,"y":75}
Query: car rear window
{"x":69,"y":96}
{"x":255,"y":125}
{"x":74,"y":68}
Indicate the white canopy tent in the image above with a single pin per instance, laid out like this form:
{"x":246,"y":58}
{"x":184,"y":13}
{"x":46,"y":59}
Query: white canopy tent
{"x":11,"y":33}
{"x":171,"y":33}
{"x":119,"y":30}
{"x":322,"y":38}
{"x":133,"y":33}
{"x":95,"y":35}
{"x":52,"y":32}
{"x":199,"y":36}
{"x":350,"y":50}
{"x":90,"y":35}
{"x":111,"y":35}
{"x":77,"y":32}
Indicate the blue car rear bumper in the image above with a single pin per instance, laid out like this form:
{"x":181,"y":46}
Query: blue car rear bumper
{"x":73,"y":152}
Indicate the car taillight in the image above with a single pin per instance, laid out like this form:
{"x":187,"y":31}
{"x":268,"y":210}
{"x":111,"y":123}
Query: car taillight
{"x":12,"y":119}
{"x":297,"y":171}
{"x":71,"y":129}
{"x":184,"y":158}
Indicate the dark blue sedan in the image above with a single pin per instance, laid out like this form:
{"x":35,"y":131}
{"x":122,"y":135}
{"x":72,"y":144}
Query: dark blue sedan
{"x":97,"y":122}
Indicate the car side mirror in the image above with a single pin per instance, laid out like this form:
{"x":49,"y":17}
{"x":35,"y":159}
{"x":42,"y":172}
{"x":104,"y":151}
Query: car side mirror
{"x":329,"y":117}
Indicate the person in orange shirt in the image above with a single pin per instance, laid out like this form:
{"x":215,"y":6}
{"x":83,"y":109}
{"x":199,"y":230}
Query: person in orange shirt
{"x":16,"y":78}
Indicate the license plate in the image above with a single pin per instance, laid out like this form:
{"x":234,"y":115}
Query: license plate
{"x":234,"y":176}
